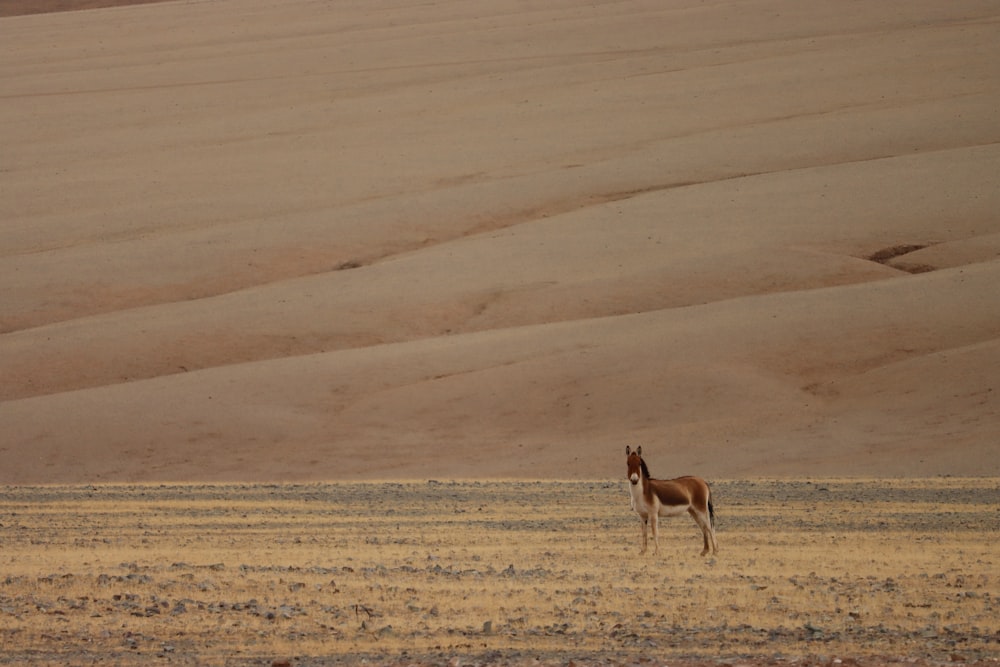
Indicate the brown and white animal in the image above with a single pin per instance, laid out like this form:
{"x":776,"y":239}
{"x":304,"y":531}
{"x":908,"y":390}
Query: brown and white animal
{"x":653,"y":498}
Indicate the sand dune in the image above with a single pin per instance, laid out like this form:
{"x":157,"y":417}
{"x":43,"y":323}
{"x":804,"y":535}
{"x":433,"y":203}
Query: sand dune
{"x":247,"y":242}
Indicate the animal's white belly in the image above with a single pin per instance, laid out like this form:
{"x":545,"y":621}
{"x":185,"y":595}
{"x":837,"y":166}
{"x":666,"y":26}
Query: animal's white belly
{"x":673,"y":510}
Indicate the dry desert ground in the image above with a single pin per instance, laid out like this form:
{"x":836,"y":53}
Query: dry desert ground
{"x":810,"y":572}
{"x":265,"y":263}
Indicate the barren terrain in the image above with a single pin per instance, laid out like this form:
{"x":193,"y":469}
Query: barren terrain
{"x":831,"y":572}
{"x":249,"y":248}
{"x":247,"y":240}
{"x":21,"y":7}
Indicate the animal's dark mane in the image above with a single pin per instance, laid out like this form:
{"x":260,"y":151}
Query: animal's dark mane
{"x":645,"y":470}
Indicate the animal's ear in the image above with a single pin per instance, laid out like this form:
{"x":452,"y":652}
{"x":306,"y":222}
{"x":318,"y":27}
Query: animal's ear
{"x":638,"y":450}
{"x":628,"y":450}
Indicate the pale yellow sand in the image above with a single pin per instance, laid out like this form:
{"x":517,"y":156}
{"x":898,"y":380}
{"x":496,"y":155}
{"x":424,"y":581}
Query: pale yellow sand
{"x":305,"y":240}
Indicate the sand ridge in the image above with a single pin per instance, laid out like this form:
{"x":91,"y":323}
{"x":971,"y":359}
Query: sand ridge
{"x":249,"y":242}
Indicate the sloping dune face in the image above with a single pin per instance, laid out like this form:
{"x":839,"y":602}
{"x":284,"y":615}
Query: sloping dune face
{"x":22,"y":7}
{"x":252,"y":240}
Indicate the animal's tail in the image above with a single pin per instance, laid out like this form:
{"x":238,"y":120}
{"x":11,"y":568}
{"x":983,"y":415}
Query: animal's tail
{"x":711,"y":510}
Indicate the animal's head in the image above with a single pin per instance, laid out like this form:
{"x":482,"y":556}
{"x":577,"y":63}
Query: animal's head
{"x":635,"y":463}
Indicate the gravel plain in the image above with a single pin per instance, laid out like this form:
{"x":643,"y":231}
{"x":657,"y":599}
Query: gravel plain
{"x":832,"y":572}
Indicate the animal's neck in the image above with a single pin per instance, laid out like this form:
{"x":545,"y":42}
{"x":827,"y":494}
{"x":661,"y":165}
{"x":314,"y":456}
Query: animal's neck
{"x":647,"y":488}
{"x":641,"y":490}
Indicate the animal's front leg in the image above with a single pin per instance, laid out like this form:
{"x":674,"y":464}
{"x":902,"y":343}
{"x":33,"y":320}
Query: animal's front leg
{"x":643,"y":528}
{"x":654,"y":526}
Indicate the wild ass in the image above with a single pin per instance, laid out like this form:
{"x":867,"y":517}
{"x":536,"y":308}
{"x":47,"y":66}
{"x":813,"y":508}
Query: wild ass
{"x":653,"y":498}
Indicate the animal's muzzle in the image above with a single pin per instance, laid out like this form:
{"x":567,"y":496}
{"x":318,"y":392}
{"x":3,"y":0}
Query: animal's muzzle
{"x":634,"y":479}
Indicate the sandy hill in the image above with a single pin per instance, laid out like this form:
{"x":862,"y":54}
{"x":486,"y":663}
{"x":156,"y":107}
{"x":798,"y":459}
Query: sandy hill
{"x":248,"y":240}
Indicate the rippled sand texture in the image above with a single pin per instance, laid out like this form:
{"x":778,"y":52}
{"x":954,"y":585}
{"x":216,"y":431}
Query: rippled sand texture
{"x":256,"y":240}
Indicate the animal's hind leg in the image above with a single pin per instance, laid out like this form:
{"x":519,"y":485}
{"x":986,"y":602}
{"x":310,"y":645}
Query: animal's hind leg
{"x":706,"y":530}
{"x":711,"y":535}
